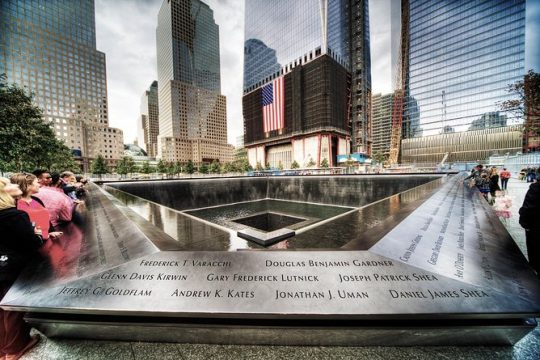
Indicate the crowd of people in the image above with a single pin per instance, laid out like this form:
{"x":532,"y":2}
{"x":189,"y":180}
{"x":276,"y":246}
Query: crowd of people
{"x":486,"y":179}
{"x":33,"y":209}
{"x":487,"y":182}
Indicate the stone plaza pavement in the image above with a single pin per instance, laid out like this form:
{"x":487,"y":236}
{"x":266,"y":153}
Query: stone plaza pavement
{"x":527,"y":348}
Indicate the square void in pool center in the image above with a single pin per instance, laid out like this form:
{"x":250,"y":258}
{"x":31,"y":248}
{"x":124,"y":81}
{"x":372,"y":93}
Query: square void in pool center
{"x":268,"y":214}
{"x":269,"y":221}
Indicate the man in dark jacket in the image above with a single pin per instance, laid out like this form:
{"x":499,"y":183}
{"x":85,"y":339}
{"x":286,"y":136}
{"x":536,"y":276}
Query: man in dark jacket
{"x":19,"y":245}
{"x":529,"y":220}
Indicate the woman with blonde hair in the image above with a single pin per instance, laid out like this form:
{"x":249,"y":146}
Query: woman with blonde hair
{"x":493,"y":181}
{"x":18,"y":247}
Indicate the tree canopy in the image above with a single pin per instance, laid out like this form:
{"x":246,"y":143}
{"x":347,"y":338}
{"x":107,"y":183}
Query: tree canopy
{"x":146,"y":168}
{"x":214,"y":167}
{"x":26,"y":140}
{"x":324,"y":163}
{"x":99,"y":166}
{"x":190,"y":169}
{"x":526,"y":105}
{"x":126,"y":165}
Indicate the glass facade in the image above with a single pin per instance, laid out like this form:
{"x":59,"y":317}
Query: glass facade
{"x":281,"y":34}
{"x":381,"y":117}
{"x":462,"y":56}
{"x":49,"y":47}
{"x":192,"y":112}
{"x":190,"y":38}
{"x":148,"y":122}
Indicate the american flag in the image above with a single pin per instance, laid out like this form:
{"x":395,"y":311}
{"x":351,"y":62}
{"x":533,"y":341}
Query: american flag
{"x":273,"y":103}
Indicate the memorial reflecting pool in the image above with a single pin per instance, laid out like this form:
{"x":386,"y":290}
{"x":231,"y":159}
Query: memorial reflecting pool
{"x":357,"y":260}
{"x":331,"y":225}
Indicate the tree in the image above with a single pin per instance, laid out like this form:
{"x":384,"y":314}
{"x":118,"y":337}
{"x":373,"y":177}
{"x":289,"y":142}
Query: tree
{"x":161,"y":167}
{"x":26,"y":140}
{"x":177,"y":168}
{"x":526,"y":105}
{"x":214,"y":167}
{"x":190,"y":169}
{"x":126,"y":165}
{"x":171,"y":168}
{"x":280,"y":165}
{"x":310,"y":163}
{"x":324,"y":163}
{"x":99,"y":166}
{"x":241,"y":162}
{"x":379,"y":157}
{"x":203,"y":169}
{"x":294,"y":165}
{"x":146,"y":168}
{"x":228,"y":168}
{"x":258,"y":167}
{"x":244,"y":165}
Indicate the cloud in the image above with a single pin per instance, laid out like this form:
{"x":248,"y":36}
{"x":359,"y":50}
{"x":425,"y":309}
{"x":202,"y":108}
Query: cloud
{"x":380,"y":36}
{"x":125,"y":32}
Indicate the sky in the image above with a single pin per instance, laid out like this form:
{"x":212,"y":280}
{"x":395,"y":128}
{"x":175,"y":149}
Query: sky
{"x":125,"y":32}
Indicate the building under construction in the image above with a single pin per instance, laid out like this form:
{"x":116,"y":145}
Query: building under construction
{"x":307,"y":83}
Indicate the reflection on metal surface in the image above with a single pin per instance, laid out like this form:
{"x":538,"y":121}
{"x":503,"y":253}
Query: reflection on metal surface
{"x":433,"y":253}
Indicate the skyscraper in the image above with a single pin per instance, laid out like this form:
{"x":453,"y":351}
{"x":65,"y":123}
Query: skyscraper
{"x":306,"y":81}
{"x":461,"y":57}
{"x":381,"y":123}
{"x":49,"y":47}
{"x":192,"y":112}
{"x":148,"y":122}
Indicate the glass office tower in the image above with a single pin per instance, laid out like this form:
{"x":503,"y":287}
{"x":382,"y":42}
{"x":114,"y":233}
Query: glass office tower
{"x":317,"y":52}
{"x":286,"y":33}
{"x":49,"y":47}
{"x":462,"y":56}
{"x":192,"y":112}
{"x":148,"y":122}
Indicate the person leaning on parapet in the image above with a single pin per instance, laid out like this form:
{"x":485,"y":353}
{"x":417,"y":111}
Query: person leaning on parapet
{"x":68,"y":186}
{"x":33,"y":206}
{"x":43,"y":176}
{"x":504,"y":175}
{"x":475,"y":172}
{"x":59,"y":205}
{"x":81,"y":191}
{"x":528,"y":219}
{"x":18,"y":247}
{"x":475,"y":176}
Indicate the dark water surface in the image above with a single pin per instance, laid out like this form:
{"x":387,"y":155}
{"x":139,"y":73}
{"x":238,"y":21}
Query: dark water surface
{"x":320,"y":226}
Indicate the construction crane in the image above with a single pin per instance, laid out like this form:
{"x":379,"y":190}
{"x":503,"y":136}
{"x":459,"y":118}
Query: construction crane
{"x":399,"y":94}
{"x":443,"y":109}
{"x":445,"y":157}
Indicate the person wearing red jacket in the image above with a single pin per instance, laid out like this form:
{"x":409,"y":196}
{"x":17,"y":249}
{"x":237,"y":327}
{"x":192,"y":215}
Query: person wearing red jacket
{"x":504,"y":175}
